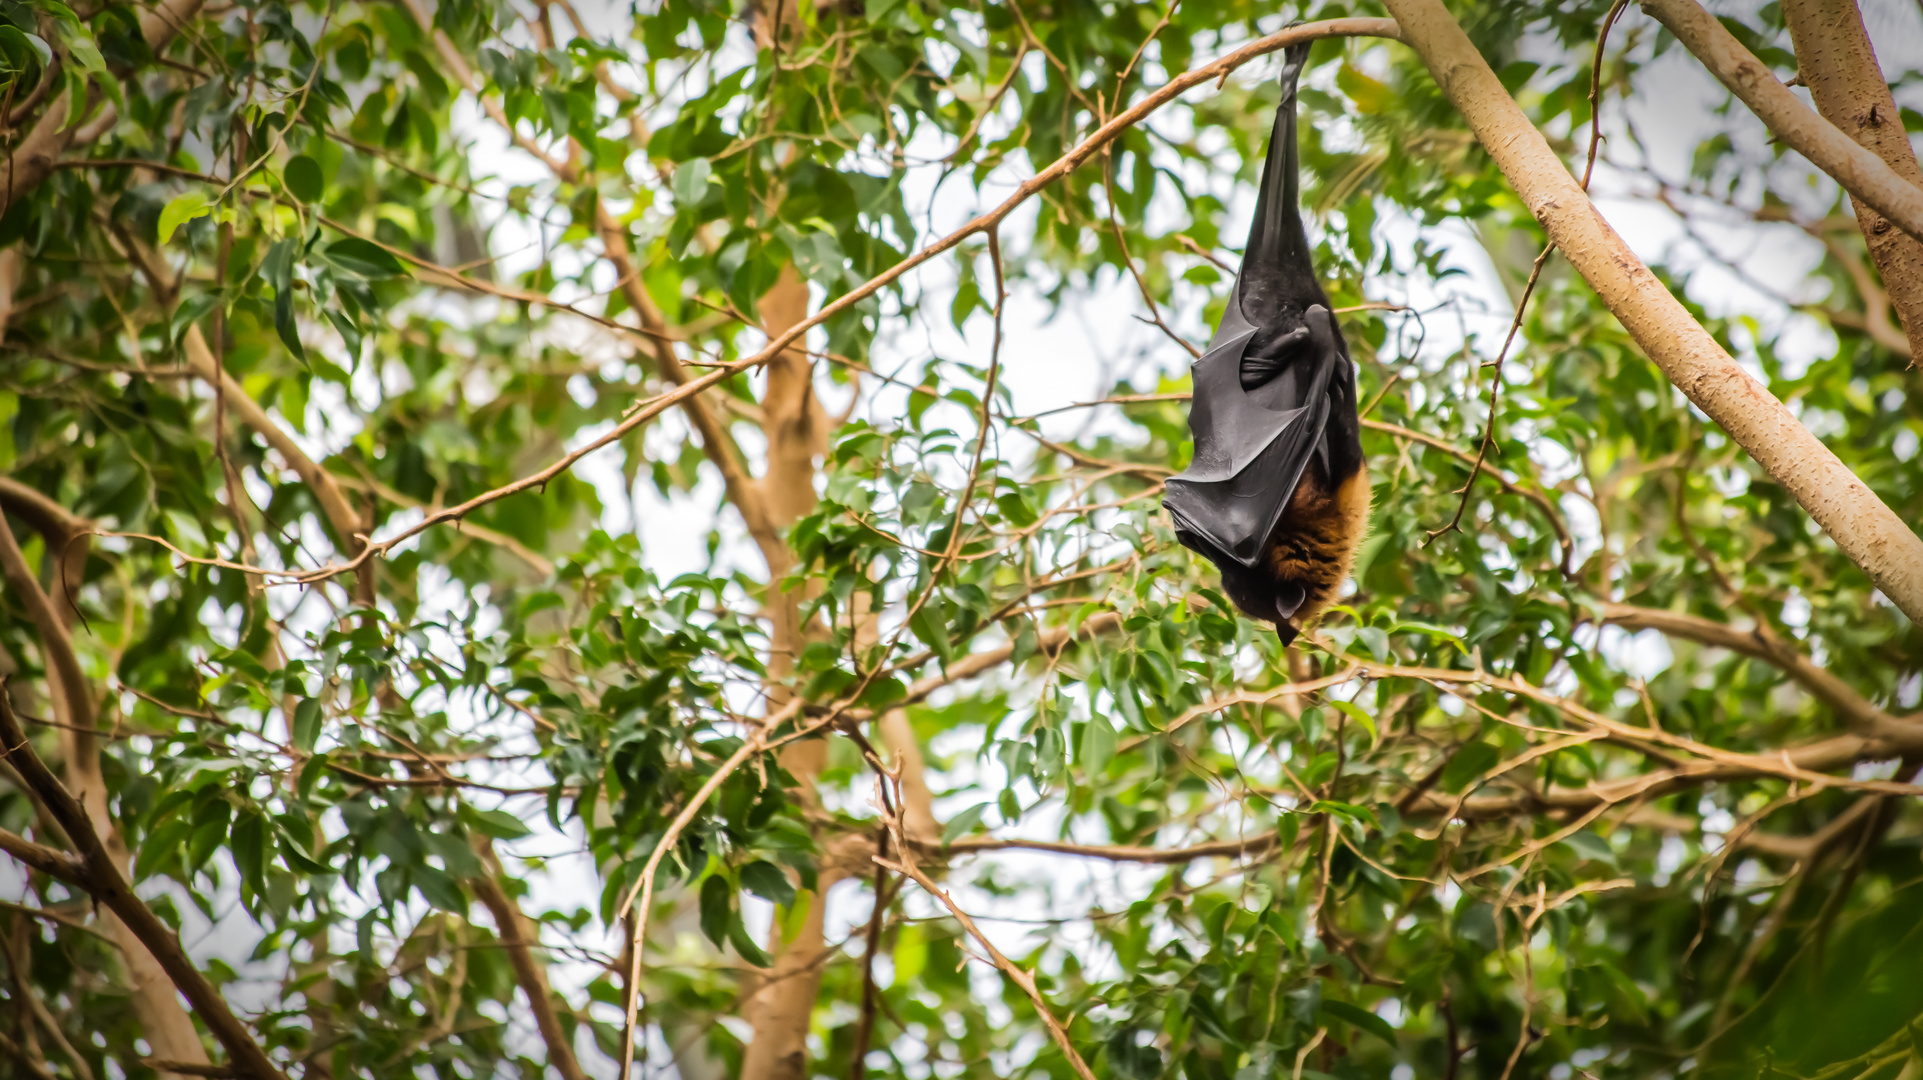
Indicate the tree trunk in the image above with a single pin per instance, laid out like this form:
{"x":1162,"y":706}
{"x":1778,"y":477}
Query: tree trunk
{"x":780,"y":1004}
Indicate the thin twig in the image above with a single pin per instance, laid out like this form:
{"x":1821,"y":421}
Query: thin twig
{"x":1015,"y":974}
{"x":1535,"y":274}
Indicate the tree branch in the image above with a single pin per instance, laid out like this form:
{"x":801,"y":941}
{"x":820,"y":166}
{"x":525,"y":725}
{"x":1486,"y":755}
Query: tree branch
{"x":1835,"y":60}
{"x":1863,"y":527}
{"x":167,"y":1026}
{"x":97,"y":872}
{"x":1864,"y":175}
{"x":1854,"y":709}
{"x":38,"y":154}
{"x":514,"y":929}
{"x":1008,"y":967}
{"x":74,"y":699}
{"x":340,"y":515}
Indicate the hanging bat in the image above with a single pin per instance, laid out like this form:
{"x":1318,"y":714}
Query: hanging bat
{"x":1276,"y":496}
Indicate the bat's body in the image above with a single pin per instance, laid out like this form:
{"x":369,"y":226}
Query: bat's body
{"x":1276,"y":495}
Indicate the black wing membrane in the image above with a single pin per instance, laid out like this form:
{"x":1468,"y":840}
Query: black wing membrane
{"x":1263,"y":390}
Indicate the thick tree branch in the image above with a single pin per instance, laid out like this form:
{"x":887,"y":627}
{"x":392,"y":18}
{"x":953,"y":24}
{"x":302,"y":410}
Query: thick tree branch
{"x":75,"y":700}
{"x":1863,"y":527}
{"x":66,"y":535}
{"x":42,"y":859}
{"x":1835,"y":60}
{"x":97,"y":872}
{"x":1864,"y":175}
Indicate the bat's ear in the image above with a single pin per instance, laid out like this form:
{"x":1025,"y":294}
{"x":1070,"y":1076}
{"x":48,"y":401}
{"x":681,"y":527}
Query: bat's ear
{"x":1286,"y":631}
{"x":1289,"y":598}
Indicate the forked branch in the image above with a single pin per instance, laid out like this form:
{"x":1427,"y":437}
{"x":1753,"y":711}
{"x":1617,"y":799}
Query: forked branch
{"x":1867,"y":531}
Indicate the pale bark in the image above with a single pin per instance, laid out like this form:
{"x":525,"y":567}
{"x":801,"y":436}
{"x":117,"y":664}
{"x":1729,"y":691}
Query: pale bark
{"x":10,"y":267}
{"x":1861,"y":525}
{"x":1864,"y":175}
{"x":1836,"y":61}
{"x":780,"y":1004}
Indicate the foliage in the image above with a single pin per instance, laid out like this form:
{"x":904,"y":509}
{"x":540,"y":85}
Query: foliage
{"x":1450,"y":867}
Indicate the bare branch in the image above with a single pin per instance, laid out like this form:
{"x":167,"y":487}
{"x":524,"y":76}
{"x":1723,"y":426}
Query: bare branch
{"x":1864,"y":175}
{"x":1854,"y":709}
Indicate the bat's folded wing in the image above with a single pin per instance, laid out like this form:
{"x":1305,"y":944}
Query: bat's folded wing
{"x":1250,"y":448}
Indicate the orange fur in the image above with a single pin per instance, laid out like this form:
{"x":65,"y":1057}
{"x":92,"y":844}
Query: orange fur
{"x":1318,"y":538}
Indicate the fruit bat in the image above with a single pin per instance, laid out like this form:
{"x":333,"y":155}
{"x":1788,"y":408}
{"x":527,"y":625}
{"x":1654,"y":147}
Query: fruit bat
{"x":1276,"y":496}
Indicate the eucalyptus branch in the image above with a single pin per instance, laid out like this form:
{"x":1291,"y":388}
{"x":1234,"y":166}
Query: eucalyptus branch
{"x":1867,"y":531}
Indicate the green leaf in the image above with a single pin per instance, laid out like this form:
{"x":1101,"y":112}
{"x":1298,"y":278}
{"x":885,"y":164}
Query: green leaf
{"x":249,"y":844}
{"x":1014,"y":506}
{"x":691,"y":181}
{"x":1361,"y":1019}
{"x":766,"y":880}
{"x":745,"y":945}
{"x":1590,"y":846}
{"x":500,"y":824}
{"x":307,"y":724}
{"x":299,"y":861}
{"x":1354,"y":712}
{"x":364,"y":258}
{"x":717,"y":908}
{"x":179,"y":211}
{"x":1468,"y":763}
{"x":963,"y":823}
{"x":14,"y":40}
{"x":1377,"y":639}
{"x":439,"y":888}
{"x":278,"y":269}
{"x":303,"y":178}
{"x":1098,"y":746}
{"x":310,"y":773}
{"x":930,"y":624}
